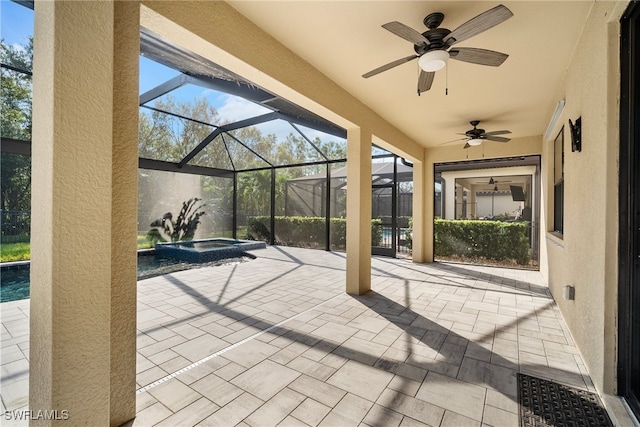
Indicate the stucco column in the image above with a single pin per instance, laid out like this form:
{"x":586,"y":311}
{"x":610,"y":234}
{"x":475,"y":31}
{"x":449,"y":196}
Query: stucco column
{"x":358,"y":211}
{"x":423,"y":194}
{"x":459,"y":200}
{"x":449,"y":195}
{"x":84,"y":210}
{"x":472,"y":212}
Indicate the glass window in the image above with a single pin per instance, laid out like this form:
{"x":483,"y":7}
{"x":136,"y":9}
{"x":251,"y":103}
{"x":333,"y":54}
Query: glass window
{"x":558,"y":183}
{"x":16,"y":55}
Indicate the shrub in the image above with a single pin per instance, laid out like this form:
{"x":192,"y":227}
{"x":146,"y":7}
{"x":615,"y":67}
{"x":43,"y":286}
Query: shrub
{"x":306,"y":231}
{"x":482,"y":239}
{"x":165,"y":229}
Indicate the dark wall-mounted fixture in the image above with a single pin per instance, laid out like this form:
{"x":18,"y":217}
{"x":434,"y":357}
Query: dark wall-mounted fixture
{"x":576,"y":134}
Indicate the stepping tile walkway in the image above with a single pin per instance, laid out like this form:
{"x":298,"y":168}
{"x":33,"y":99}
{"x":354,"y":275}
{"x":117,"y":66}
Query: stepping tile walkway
{"x":276,"y":341}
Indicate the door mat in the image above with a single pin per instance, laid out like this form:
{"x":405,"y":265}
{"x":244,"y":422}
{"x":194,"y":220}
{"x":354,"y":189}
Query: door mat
{"x":545,"y":403}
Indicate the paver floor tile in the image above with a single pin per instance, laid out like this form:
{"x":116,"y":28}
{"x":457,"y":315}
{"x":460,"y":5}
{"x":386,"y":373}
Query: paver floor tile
{"x":400,"y":355}
{"x":453,"y":419}
{"x":362,"y":380}
{"x":151,"y":415}
{"x":191,"y":414}
{"x":216,"y":389}
{"x":234,"y":412}
{"x":411,"y":407}
{"x":265,"y":379}
{"x":458,"y":396}
{"x":381,"y":416}
{"x":352,"y":407}
{"x":250,"y":353}
{"x":498,"y":417}
{"x":312,"y":368}
{"x":317,"y":390}
{"x":276,"y":409}
{"x":174,"y":395}
{"x":311,"y":412}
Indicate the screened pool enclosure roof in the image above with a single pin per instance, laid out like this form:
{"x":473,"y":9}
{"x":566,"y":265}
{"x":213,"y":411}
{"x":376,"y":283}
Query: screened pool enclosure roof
{"x":199,"y":118}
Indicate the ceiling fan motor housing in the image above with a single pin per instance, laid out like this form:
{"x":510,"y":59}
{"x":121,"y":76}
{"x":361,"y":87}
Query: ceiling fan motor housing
{"x":436,"y":40}
{"x":475,"y":133}
{"x":433,"y":20}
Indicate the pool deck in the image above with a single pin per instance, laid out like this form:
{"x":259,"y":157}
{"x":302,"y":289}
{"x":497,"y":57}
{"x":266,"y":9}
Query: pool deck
{"x":276,"y":341}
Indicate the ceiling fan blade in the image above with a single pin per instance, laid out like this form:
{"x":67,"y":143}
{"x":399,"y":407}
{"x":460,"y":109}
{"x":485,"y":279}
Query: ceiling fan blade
{"x":425,"y":80}
{"x":453,"y":140}
{"x":478,"y":56}
{"x":497,"y":132}
{"x":497,"y":139}
{"x":407,"y":33}
{"x":467,"y":145}
{"x":480,"y":23}
{"x":389,"y":66}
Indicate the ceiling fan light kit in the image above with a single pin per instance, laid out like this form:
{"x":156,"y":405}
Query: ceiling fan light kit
{"x":433,"y":60}
{"x":475,"y":141}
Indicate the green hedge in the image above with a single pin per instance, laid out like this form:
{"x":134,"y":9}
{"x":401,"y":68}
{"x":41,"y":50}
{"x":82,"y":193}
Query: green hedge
{"x":306,"y":231}
{"x":482,"y":239}
{"x":18,"y":238}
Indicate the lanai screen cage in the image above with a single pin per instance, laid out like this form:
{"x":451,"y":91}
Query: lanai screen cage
{"x":211,"y":138}
{"x":212,"y":142}
{"x":391,"y":198}
{"x":258,"y":166}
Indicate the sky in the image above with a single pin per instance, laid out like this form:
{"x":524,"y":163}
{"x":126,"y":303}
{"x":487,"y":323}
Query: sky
{"x":16,"y":26}
{"x":16,"y":22}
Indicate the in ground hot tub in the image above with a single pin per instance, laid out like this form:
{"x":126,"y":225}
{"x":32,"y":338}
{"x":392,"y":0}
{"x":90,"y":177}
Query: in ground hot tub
{"x":207,"y":250}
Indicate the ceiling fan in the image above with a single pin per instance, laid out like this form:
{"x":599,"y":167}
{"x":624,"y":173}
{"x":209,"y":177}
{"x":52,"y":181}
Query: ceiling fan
{"x":495,"y":182}
{"x":475,"y":136}
{"x":434,"y":46}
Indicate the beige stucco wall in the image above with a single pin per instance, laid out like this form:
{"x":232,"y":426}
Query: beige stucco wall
{"x":586,"y":255}
{"x":84,"y":154}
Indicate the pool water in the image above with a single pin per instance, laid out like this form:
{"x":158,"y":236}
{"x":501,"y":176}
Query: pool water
{"x":14,"y":281}
{"x":14,"y":284}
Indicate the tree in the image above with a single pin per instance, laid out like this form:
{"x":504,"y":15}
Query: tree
{"x":164,"y":137}
{"x":15,"y":88}
{"x":15,"y":123}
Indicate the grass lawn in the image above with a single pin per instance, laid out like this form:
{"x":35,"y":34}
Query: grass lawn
{"x":14,"y":252}
{"x":21,"y":251}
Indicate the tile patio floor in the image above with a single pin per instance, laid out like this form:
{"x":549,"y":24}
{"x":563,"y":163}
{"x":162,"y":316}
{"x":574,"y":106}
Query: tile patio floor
{"x":276,"y":341}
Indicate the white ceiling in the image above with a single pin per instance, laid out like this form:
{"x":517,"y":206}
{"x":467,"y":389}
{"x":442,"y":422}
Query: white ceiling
{"x":344,"y":39}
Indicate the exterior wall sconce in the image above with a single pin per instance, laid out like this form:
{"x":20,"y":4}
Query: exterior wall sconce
{"x":576,"y":134}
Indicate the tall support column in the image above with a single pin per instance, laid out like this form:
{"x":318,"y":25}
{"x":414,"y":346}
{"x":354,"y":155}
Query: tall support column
{"x":272,"y":221}
{"x":459,"y":202}
{"x":423,"y":189}
{"x":83,"y":251}
{"x":358,"y":211}
{"x":327,"y":208}
{"x":473,"y":202}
